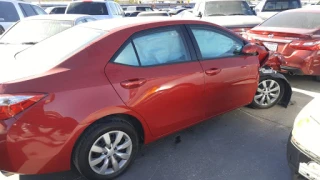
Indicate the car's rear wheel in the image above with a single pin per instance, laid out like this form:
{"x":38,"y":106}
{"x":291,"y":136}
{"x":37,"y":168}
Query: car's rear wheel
{"x":106,"y":150}
{"x":269,"y":93}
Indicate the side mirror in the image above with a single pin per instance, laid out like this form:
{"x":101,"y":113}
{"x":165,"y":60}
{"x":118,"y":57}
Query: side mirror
{"x":1,"y":30}
{"x":199,"y":15}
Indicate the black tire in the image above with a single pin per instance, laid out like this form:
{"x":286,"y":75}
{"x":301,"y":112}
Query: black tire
{"x":83,"y":146}
{"x":282,"y":90}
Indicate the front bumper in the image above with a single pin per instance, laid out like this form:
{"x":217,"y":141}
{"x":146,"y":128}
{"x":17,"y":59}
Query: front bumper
{"x":295,"y":156}
{"x":298,"y":161}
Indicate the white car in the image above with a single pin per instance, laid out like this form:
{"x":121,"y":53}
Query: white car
{"x":267,"y":8}
{"x":100,"y":9}
{"x":12,"y":11}
{"x":233,"y":14}
{"x":29,"y":31}
{"x":303,"y":149}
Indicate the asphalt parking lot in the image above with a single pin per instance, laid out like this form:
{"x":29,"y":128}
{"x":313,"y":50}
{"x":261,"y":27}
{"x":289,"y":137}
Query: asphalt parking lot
{"x":242,"y":144}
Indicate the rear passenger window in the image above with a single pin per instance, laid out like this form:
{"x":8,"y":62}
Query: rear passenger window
{"x":161,"y":47}
{"x":127,"y":56}
{"x":27,"y":10}
{"x":8,"y":12}
{"x":38,"y":10}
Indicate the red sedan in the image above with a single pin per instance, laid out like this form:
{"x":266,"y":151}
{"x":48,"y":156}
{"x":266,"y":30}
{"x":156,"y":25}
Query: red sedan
{"x":91,"y":95}
{"x":296,"y":35}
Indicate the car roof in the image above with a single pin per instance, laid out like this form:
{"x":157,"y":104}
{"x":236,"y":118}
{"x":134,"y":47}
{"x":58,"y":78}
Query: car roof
{"x":62,"y":17}
{"x":124,"y":23}
{"x":311,"y":10}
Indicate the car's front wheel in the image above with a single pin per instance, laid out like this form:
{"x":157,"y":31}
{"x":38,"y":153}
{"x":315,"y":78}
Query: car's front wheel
{"x":269,"y":93}
{"x":106,"y":149}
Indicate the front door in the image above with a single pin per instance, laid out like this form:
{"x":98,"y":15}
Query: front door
{"x":156,"y":76}
{"x":230,"y":78}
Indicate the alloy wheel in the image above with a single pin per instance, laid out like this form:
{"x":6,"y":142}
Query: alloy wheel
{"x":267,"y":93}
{"x":110,"y":152}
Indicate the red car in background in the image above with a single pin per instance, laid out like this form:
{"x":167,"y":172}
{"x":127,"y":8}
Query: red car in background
{"x":91,"y":95}
{"x":295,"y":34}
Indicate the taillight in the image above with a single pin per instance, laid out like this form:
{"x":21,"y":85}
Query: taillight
{"x":13,"y":104}
{"x":306,"y":45}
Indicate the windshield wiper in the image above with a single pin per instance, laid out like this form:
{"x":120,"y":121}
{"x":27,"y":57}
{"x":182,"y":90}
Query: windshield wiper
{"x":236,"y":14}
{"x":216,"y":15}
{"x":4,"y":43}
{"x":29,"y":43}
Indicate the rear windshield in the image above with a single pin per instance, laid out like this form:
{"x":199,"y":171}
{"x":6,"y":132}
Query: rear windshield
{"x":8,"y":12}
{"x":91,"y":8}
{"x":298,"y":20}
{"x":59,"y":10}
{"x":227,"y":8}
{"x":33,"y":31}
{"x":144,"y":9}
{"x":281,"y":5}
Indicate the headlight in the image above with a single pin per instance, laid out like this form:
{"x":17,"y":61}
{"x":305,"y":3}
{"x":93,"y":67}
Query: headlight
{"x":306,"y":133}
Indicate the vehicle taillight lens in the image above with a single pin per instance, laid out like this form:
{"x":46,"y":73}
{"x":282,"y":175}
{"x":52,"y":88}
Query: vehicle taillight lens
{"x":13,"y":104}
{"x":306,"y":45}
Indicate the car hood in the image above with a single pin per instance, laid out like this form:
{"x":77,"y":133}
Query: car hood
{"x":234,"y":21}
{"x":311,"y":109}
{"x":9,"y":51}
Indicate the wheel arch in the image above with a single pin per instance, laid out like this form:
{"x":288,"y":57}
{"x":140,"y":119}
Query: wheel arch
{"x":140,"y":126}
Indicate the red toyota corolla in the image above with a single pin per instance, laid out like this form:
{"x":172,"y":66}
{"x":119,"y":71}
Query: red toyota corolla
{"x":296,"y":35}
{"x":91,"y":95}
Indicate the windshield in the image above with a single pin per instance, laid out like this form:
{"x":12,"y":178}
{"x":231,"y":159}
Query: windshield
{"x":8,"y":12}
{"x":144,"y":9}
{"x":56,"y":49}
{"x":227,"y":8}
{"x":301,"y":20}
{"x":281,"y":5}
{"x":33,"y":31}
{"x":91,"y":8}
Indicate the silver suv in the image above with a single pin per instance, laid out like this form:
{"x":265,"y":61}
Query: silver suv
{"x":12,"y":11}
{"x":96,"y":8}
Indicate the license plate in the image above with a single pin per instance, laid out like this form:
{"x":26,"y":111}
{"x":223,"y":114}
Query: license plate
{"x":271,"y":46}
{"x":310,"y":170}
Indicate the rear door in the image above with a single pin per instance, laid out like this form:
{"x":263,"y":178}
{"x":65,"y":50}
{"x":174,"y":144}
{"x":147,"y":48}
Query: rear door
{"x":157,"y":75}
{"x":231,"y":79}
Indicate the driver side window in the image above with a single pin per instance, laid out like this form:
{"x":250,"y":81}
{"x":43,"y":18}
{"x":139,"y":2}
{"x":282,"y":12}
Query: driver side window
{"x":213,"y":44}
